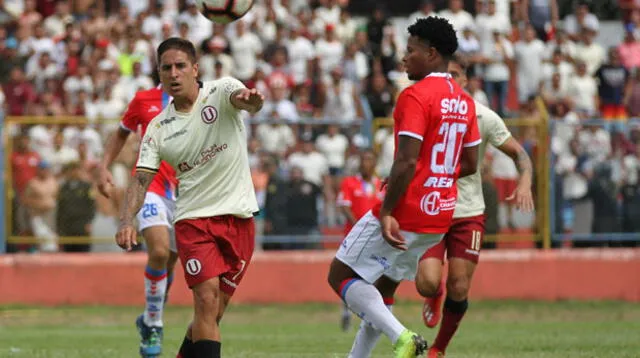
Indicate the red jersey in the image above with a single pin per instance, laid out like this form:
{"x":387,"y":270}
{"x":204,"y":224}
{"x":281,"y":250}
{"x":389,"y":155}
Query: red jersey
{"x":144,"y":107}
{"x":441,"y":115}
{"x":24,"y":167}
{"x":360,"y":195}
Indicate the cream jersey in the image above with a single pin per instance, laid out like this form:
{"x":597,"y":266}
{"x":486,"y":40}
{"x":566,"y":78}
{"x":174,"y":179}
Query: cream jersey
{"x":494,"y":131}
{"x":208,"y":149}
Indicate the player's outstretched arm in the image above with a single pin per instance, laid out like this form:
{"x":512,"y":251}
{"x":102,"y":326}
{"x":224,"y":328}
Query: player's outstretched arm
{"x":133,"y":200}
{"x":251,"y":100}
{"x":522,"y":195}
{"x":402,"y":171}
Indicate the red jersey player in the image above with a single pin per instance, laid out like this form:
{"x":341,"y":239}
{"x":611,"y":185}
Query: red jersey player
{"x":436,"y":134}
{"x":358,"y":194}
{"x":155,"y":220}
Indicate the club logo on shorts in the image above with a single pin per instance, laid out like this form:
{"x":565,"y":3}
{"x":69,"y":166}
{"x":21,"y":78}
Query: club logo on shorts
{"x":193,"y":267}
{"x":209,"y":114}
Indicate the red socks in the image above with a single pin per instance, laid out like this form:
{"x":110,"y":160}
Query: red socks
{"x":451,"y":316}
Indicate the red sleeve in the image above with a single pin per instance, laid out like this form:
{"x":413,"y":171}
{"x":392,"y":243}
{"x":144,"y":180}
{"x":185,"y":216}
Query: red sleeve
{"x":345,"y":196}
{"x":131,"y":117}
{"x":472,"y":136}
{"x":409,"y":116}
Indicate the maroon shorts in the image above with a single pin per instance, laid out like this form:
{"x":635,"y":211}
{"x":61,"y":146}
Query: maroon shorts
{"x":219,"y":246}
{"x":463,"y":240}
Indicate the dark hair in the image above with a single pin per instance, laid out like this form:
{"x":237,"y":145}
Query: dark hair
{"x":438,"y":33}
{"x":176,"y":43}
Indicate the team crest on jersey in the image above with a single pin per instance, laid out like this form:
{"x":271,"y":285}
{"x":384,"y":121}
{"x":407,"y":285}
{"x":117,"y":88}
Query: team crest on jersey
{"x":209,"y":114}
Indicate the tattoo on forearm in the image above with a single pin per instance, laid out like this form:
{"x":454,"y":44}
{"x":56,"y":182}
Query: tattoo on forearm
{"x":523,"y":163}
{"x":134,"y":198}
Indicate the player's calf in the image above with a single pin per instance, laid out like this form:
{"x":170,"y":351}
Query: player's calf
{"x":459,"y":278}
{"x":205,"y":332}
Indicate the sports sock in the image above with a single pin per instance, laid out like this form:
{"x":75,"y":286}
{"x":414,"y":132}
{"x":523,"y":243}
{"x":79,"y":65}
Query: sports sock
{"x":206,"y":349}
{"x":367,"y":336}
{"x":186,"y":349}
{"x":365,"y":300}
{"x":451,"y":316}
{"x":155,"y":286}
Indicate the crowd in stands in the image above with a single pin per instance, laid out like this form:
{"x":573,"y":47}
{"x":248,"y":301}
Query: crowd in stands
{"x":324,"y":74}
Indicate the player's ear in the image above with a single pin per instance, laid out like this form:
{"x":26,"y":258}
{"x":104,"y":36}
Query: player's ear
{"x":196,"y":68}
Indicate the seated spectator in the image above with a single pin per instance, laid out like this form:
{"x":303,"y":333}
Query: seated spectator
{"x":275,"y":137}
{"x":279,"y":104}
{"x":76,"y":207}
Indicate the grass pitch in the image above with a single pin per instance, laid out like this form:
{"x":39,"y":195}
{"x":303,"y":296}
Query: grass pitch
{"x":491,"y":329}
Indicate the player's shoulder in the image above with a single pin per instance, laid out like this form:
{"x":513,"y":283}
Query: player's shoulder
{"x":158,"y":123}
{"x":486,"y":114}
{"x":227,"y":84}
{"x":148,"y":94}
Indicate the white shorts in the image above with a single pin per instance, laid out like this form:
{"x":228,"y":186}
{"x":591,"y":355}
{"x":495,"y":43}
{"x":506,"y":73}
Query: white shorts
{"x":158,"y":211}
{"x":367,"y":253}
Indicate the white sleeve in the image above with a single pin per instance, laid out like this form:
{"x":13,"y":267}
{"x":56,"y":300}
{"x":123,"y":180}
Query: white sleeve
{"x":149,"y":156}
{"x":228,"y":85}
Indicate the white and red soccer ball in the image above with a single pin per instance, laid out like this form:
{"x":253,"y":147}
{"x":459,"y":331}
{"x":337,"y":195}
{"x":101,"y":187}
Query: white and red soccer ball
{"x":224,"y":11}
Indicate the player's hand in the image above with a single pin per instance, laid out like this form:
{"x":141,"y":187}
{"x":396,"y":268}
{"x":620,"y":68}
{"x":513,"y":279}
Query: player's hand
{"x":126,"y":237}
{"x":252,"y":97}
{"x":523,"y":198}
{"x":391,"y":232}
{"x":106,"y":182}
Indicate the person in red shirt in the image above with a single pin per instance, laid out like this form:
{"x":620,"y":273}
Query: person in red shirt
{"x":24,"y":166}
{"x":436,"y":139}
{"x":19,"y":92}
{"x":358,"y":194}
{"x":155,"y":220}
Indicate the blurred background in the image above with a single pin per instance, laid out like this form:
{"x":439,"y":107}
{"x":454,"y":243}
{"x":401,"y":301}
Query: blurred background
{"x":563,"y":74}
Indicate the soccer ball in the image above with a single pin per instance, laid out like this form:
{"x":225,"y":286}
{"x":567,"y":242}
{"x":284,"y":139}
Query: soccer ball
{"x":224,"y":11}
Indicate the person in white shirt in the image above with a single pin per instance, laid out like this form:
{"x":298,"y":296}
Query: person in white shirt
{"x":216,"y":54}
{"x":301,"y":52}
{"x":275,"y":137}
{"x":341,"y":99}
{"x":314,"y":165}
{"x":583,"y":91}
{"x":245,"y":50}
{"x":201,"y":134}
{"x":488,"y":21}
{"x":457,"y":16}
{"x":557,"y":65}
{"x":279,"y":104}
{"x":329,"y":50}
{"x":581,"y":18}
{"x":333,"y":145}
{"x":529,"y":54}
{"x":589,"y":51}
{"x":426,"y":9}
{"x":496,"y":72}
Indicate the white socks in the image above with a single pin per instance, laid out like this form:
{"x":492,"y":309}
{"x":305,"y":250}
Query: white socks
{"x":365,"y":301}
{"x":366,"y":339}
{"x":155,"y":287}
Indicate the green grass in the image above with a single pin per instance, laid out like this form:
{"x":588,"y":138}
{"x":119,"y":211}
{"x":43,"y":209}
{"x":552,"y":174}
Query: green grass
{"x":491,"y":329}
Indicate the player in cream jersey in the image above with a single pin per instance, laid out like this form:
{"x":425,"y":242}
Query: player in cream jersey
{"x":201,"y":135}
{"x":208,"y":145}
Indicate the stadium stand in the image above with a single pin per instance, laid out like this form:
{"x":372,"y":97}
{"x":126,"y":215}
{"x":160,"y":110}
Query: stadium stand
{"x":68,"y":70}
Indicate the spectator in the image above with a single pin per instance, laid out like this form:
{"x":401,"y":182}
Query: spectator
{"x":30,"y":16}
{"x":301,"y":51}
{"x":633,"y":100}
{"x":40,"y":197}
{"x":489,"y":20}
{"x":314,"y":165}
{"x":329,"y":50}
{"x":475,"y":89}
{"x":24,"y":163}
{"x":581,"y":18}
{"x":355,"y":64}
{"x":76,"y":207}
{"x":376,"y":26}
{"x":457,"y":16}
{"x":245,"y":50}
{"x":200,"y":27}
{"x":583,"y":91}
{"x":496,"y":72}
{"x":589,"y":51}
{"x":42,"y":70}
{"x":557,"y":65}
{"x":302,"y":209}
{"x":425,"y":9}
{"x":275,"y":202}
{"x":613,"y":87}
{"x":275,"y":137}
{"x":60,"y":155}
{"x":333,"y":145}
{"x":562,"y":43}
{"x":346,"y":27}
{"x":630,"y":49}
{"x":55,"y":24}
{"x":341,"y":98}
{"x":529,"y":55}
{"x":542,"y":14}
{"x":380,"y":95}
{"x":20,"y":93}
{"x":215,"y":55}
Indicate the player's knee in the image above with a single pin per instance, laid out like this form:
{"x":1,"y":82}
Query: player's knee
{"x":206,"y":297}
{"x":336,"y":275}
{"x":427,"y":286}
{"x":458,"y":287}
{"x":159,"y":254}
